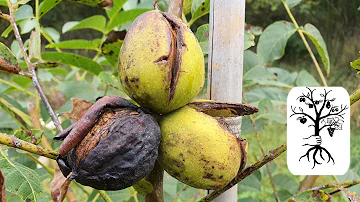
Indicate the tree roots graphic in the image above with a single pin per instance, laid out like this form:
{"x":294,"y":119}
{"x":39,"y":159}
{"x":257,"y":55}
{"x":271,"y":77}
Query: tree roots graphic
{"x":318,"y":149}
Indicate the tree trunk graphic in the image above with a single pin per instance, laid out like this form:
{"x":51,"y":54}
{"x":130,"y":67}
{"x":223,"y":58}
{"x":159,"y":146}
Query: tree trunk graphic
{"x":327,"y":115}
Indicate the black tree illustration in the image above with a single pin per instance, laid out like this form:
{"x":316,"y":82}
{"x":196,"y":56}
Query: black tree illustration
{"x":327,"y":116}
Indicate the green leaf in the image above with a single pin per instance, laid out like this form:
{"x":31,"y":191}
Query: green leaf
{"x":3,"y":3}
{"x":76,"y":44}
{"x":249,"y":40}
{"x":272,"y":41}
{"x":202,"y":34}
{"x":111,"y":52}
{"x":277,"y":96}
{"x":74,"y":60}
{"x":27,"y":25}
{"x":14,"y":110}
{"x":96,"y":22}
{"x":22,"y":81}
{"x":187,"y":6}
{"x":315,"y":36}
{"x":117,"y":5}
{"x":285,"y":182}
{"x":20,"y":180}
{"x":306,"y":79}
{"x":124,"y":17}
{"x":35,"y":45}
{"x":82,"y":90}
{"x":199,"y":8}
{"x":24,"y":12}
{"x":251,"y":183}
{"x":6,"y":32}
{"x":15,"y":87}
{"x":356,"y":64}
{"x":7,"y":122}
{"x":143,"y":187}
{"x":51,"y":33}
{"x":58,"y":71}
{"x":111,"y":80}
{"x":46,"y":6}
{"x":292,"y":3}
{"x":267,"y":111}
{"x":33,"y":136}
{"x":250,"y":61}
{"x":8,"y":61}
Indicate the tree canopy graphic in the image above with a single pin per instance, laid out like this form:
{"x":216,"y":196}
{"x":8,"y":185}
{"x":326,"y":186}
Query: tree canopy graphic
{"x":326,"y":115}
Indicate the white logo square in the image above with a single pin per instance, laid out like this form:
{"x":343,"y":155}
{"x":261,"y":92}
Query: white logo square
{"x":318,"y":131}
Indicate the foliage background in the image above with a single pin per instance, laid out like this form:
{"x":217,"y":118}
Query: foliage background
{"x":337,"y":22}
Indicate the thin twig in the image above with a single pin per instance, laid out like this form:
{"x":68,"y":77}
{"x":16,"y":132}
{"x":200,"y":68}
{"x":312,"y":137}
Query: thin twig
{"x":305,"y":43}
{"x":347,"y":183}
{"x":307,"y":182}
{"x":273,"y":154}
{"x":26,"y":146}
{"x":276,"y":195}
{"x":31,"y":67}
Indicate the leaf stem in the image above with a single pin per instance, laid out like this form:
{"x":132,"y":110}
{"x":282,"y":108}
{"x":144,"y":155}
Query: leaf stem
{"x":26,"y":146}
{"x":105,"y":196}
{"x":33,"y":158}
{"x":17,"y":87}
{"x":273,"y":154}
{"x":299,"y":30}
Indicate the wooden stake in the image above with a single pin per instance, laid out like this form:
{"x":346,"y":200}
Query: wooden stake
{"x":227,"y":21}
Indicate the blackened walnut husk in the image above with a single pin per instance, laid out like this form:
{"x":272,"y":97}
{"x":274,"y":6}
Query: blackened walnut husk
{"x":120,"y":149}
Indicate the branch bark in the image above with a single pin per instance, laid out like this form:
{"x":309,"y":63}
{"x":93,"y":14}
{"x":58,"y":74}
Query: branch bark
{"x":176,"y":7}
{"x":26,"y":146}
{"x":31,"y":67}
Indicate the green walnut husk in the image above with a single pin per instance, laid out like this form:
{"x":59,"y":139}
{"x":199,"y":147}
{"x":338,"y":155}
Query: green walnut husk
{"x":197,"y":150}
{"x":161,"y":65}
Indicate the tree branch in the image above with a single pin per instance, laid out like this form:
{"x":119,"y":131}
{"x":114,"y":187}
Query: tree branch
{"x":273,"y":154}
{"x":355,"y":97}
{"x":276,"y":195}
{"x":176,"y":7}
{"x":31,"y":67}
{"x":26,"y":146}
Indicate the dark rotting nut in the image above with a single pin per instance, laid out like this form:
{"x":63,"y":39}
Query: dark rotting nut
{"x":118,"y":151}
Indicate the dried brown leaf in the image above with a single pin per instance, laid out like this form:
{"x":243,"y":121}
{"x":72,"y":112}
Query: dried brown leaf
{"x":59,"y":185}
{"x":79,"y":109}
{"x":2,"y":186}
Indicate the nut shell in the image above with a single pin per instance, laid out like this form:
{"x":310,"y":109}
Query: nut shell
{"x":119,"y":151}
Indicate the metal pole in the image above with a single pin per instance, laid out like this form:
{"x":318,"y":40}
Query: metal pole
{"x":227,"y":20}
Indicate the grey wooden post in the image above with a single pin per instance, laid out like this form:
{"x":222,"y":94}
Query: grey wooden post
{"x":227,"y":20}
